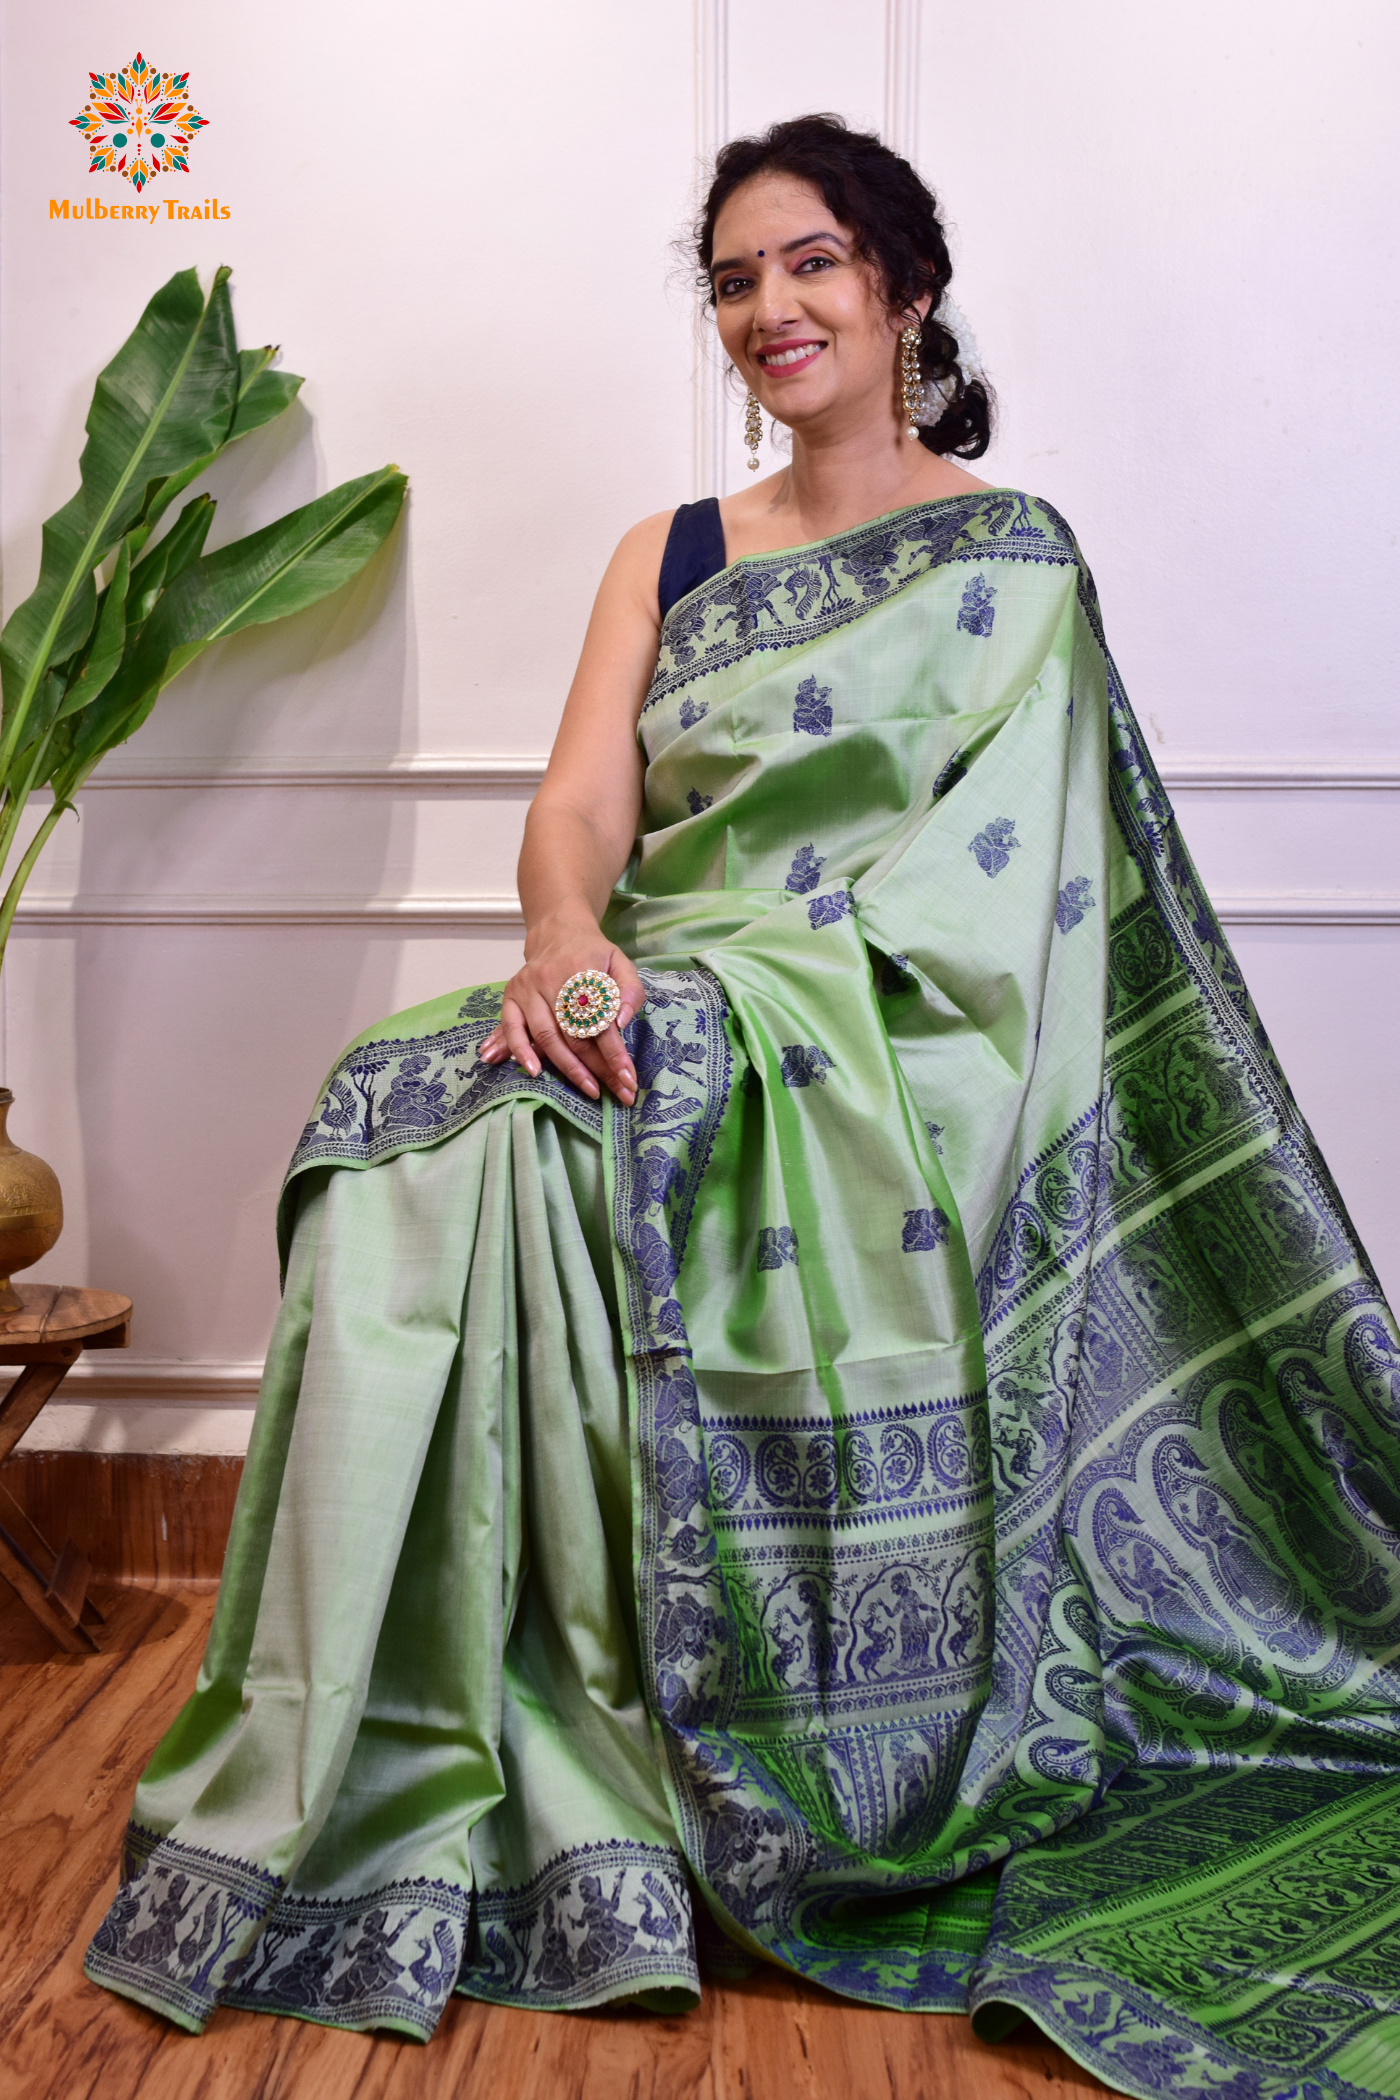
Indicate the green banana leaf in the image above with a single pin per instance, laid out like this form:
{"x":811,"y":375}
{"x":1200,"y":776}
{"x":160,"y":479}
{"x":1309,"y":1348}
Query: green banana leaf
{"x":108,"y":642}
{"x":82,"y":666}
{"x":279,"y":570}
{"x":174,"y":395}
{"x":121,"y":611}
{"x":167,"y":396}
{"x":183,"y":544}
{"x":261,"y":396}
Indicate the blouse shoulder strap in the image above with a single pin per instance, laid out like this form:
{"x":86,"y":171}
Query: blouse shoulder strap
{"x":694,"y":551}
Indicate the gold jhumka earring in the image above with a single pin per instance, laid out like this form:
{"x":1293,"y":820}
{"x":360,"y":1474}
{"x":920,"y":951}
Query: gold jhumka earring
{"x":911,"y":385}
{"x":753,"y":429}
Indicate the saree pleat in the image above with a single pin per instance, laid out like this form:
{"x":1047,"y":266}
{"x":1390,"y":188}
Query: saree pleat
{"x":420,"y":1697}
{"x":925,"y":1476}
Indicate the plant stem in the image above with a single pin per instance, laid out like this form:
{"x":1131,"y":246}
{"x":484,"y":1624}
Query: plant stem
{"x":17,"y":795}
{"x":22,"y":873}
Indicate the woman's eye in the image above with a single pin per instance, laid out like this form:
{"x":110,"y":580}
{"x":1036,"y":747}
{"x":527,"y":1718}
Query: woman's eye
{"x":730,"y":287}
{"x":823,"y":260}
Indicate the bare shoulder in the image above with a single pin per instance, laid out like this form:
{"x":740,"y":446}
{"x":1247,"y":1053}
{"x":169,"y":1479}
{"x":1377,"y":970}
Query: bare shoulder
{"x":944,"y":477}
{"x":619,"y":647}
{"x":649,"y":533}
{"x":635,"y":568}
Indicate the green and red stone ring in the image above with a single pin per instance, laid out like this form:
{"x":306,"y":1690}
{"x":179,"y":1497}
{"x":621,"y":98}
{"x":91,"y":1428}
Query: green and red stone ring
{"x":588,"y":1002}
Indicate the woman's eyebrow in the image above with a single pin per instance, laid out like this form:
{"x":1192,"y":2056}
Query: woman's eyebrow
{"x":823,"y":233}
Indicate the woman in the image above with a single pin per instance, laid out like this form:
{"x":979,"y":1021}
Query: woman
{"x":896,"y":1433}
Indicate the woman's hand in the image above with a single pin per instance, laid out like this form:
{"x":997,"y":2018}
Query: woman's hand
{"x":529,"y":1032}
{"x":581,"y":830}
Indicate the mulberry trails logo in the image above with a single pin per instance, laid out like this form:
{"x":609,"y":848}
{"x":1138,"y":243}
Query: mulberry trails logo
{"x":137,"y":124}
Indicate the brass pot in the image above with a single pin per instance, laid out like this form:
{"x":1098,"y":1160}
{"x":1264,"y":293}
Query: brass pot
{"x":31,"y":1209}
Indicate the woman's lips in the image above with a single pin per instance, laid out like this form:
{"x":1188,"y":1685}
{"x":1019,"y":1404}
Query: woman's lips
{"x":793,"y":357}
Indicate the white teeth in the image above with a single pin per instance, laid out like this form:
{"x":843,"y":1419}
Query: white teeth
{"x":790,"y":357}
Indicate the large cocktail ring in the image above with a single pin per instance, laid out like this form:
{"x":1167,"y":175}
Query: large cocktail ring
{"x":588,"y":1003}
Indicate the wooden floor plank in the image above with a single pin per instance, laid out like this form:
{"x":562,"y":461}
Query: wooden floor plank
{"x":62,"y":1812}
{"x":139,"y":1517}
{"x":77,"y":1731}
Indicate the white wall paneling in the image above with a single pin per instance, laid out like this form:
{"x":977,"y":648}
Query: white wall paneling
{"x":903,"y":24}
{"x":1174,"y":237}
{"x":1234,"y":908}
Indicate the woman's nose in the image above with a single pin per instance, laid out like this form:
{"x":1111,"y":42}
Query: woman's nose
{"x":775,"y":307}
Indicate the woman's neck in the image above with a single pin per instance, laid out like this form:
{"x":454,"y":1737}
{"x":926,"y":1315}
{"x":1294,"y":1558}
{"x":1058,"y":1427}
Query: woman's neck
{"x":834,"y":482}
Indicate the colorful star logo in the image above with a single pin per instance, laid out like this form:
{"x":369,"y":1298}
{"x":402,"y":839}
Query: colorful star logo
{"x":138,"y":123}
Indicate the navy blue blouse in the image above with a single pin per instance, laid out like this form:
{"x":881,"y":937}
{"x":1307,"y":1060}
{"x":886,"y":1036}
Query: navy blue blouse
{"x":694,"y":551}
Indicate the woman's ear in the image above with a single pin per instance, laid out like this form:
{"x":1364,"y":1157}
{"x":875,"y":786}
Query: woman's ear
{"x":916,"y":309}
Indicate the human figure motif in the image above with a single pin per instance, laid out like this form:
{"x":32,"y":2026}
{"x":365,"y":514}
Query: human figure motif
{"x":916,"y":1619}
{"x":372,"y":1968}
{"x":302,"y":1981}
{"x":158,"y":1940}
{"x":606,"y":1934}
{"x":554,"y":1963}
{"x":1341,"y":1563}
{"x":1146,"y":1574}
{"x":1245,"y":1573}
{"x":414,"y":1099}
{"x":1368,"y":1490}
{"x":910,"y":1779}
{"x":744,"y":1852}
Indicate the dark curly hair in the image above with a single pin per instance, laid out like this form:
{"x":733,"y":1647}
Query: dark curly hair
{"x":894,"y":217}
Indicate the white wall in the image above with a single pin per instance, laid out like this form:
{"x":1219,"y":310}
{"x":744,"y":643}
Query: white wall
{"x":1175,"y":236}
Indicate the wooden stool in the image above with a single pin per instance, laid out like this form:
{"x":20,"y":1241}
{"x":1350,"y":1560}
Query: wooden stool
{"x":50,"y":1332}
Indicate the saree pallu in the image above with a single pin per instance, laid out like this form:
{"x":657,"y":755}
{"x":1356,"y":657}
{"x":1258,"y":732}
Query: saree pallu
{"x":923,"y":1478}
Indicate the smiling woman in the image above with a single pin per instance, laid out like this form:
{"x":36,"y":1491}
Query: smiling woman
{"x":882,"y":1458}
{"x":872,"y":224}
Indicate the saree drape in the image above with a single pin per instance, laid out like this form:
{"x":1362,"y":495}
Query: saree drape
{"x":924,"y":1477}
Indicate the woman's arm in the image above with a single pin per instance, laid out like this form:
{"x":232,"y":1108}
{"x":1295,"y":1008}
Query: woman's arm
{"x":581,"y":827}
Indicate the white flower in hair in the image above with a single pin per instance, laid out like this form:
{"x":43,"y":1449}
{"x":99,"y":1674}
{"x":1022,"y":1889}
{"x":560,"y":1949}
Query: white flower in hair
{"x":938,"y":393}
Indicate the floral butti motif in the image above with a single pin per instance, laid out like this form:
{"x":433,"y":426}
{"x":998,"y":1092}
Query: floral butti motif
{"x":777,"y":1244}
{"x":994,"y":846}
{"x":805,"y":872}
{"x":138,"y":122}
{"x":811,"y":716}
{"x":1072,"y":903}
{"x":825,"y":911}
{"x":805,"y":1065}
{"x":977,"y":612}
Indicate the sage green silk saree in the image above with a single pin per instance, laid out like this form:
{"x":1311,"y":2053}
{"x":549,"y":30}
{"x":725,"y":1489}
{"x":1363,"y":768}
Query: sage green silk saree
{"x":923,"y":1479}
